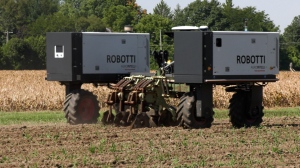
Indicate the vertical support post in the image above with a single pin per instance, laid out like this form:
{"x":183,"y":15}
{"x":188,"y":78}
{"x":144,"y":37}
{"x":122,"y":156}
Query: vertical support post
{"x":71,"y":87}
{"x":121,"y":101}
{"x":204,"y":103}
{"x":7,"y":35}
{"x":257,"y":96}
{"x":160,"y":40}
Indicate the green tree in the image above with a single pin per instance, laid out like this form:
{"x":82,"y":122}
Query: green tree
{"x":97,"y":7}
{"x":42,"y":7}
{"x":156,"y":25}
{"x":51,"y":23}
{"x":233,"y":22}
{"x":236,"y":19}
{"x":8,"y":19}
{"x":30,"y":10}
{"x":291,"y":43}
{"x":224,"y":17}
{"x":70,"y":8}
{"x":178,"y":16}
{"x":2,"y":61}
{"x":15,"y":15}
{"x":86,"y":8}
{"x":90,"y":24}
{"x":93,"y":8}
{"x":292,"y":32}
{"x":200,"y":13}
{"x":17,"y":55}
{"x":163,"y":10}
{"x":95,"y":24}
{"x":37,"y":47}
{"x":294,"y":56}
{"x":284,"y":58}
{"x":116,"y":17}
{"x":81,"y":24}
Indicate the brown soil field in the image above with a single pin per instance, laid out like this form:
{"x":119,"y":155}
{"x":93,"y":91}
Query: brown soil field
{"x":274,"y":144}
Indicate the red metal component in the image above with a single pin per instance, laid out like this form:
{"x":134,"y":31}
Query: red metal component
{"x":86,"y":109}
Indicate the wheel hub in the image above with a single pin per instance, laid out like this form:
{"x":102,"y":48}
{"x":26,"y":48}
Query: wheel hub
{"x":253,"y":114}
{"x":86,"y":109}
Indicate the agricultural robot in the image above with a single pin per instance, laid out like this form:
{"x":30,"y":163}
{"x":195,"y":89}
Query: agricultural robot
{"x":242,"y":62}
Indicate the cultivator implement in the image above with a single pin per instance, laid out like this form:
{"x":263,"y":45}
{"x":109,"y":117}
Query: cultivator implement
{"x":139,"y":101}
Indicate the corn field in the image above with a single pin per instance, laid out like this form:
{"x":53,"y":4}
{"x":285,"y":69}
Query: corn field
{"x":29,"y":91}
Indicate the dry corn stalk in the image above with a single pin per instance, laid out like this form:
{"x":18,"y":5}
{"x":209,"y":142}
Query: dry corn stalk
{"x":29,"y":91}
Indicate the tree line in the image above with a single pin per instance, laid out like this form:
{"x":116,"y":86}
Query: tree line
{"x":24,"y":23}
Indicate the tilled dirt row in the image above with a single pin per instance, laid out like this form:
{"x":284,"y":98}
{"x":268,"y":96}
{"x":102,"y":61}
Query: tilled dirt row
{"x":275,"y":143}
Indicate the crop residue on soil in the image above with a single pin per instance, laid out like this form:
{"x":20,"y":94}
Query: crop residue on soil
{"x":275,"y":143}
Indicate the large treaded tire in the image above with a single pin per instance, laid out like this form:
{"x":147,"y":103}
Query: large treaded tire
{"x":186,"y":113}
{"x":240,"y":112}
{"x":81,"y":107}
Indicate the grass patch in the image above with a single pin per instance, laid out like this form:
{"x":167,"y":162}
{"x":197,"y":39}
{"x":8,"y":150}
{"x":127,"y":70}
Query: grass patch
{"x":270,"y":112}
{"x":7,"y":118}
{"x":280,"y":112}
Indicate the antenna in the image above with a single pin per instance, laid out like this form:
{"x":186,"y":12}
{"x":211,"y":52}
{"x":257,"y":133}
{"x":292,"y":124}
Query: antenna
{"x":246,"y":24}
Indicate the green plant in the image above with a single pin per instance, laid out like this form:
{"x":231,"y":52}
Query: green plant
{"x":27,"y":136}
{"x":56,"y":136}
{"x":185,"y":142}
{"x":92,"y":148}
{"x":113,"y":147}
{"x":277,"y":150}
{"x":64,"y":151}
{"x":84,"y":160}
{"x":101,"y":145}
{"x":4,"y":158}
{"x":175,"y":162}
{"x":140,"y":159}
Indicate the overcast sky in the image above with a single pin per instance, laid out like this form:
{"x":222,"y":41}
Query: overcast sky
{"x":281,"y":12}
